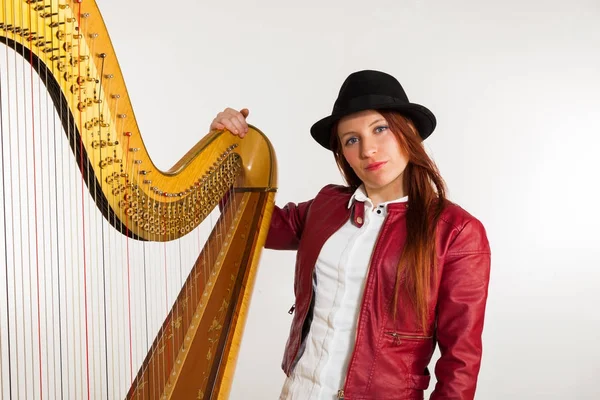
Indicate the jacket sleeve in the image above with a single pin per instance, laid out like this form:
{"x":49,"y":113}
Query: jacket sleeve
{"x":460,"y":313}
{"x":287,"y":225}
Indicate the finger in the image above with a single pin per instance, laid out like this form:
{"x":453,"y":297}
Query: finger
{"x":231,"y":120}
{"x":223,"y":118}
{"x":217,"y":126}
{"x":230,"y":112}
{"x":237,"y":126}
{"x":230,"y":125}
{"x":242,"y":122}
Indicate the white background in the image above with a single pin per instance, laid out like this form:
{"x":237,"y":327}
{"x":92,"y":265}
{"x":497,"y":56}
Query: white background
{"x":515,"y":86}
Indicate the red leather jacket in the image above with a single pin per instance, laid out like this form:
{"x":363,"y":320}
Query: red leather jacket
{"x":390,"y":356}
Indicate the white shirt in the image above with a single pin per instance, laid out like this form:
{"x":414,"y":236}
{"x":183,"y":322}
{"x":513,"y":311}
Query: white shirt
{"x":340,"y":274}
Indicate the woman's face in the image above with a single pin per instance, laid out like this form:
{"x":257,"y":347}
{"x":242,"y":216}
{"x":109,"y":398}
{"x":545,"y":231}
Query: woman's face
{"x":374,"y":153}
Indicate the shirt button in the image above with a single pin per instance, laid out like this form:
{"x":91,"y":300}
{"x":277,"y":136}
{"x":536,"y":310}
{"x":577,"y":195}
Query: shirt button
{"x":378,"y":211}
{"x":359,"y":220}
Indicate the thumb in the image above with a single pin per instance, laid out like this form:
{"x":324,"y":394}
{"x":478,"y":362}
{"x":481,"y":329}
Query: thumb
{"x":245,"y":112}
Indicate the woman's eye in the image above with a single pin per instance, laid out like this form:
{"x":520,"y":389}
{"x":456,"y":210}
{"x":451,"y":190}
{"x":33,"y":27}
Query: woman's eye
{"x":380,"y":128}
{"x":352,"y":140}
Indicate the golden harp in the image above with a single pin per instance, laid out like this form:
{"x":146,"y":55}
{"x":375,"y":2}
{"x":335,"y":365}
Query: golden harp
{"x":110,"y":285}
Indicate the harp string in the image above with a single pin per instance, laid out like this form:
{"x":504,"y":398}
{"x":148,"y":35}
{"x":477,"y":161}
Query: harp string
{"x":146,"y":307}
{"x":99,"y":241}
{"x":55,"y":268}
{"x":26,"y":239}
{"x":13,"y":214}
{"x":59,"y":141}
{"x":136,"y":169}
{"x":132,"y":172}
{"x":36,"y":113}
{"x":5,"y":230}
{"x":90,"y":243}
{"x":40,"y":244}
{"x":44,"y":141}
{"x":72,"y":211}
{"x":173,"y":278}
{"x":78,"y":346}
{"x":83,"y":225}
{"x":7,"y":353}
{"x":116,"y":326}
{"x":57,"y":135}
{"x":29,"y":233}
{"x":128,"y":258}
{"x":15,"y":229}
{"x":48,"y":252}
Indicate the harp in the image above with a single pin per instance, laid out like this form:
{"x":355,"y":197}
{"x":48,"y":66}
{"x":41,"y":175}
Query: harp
{"x":112,"y":286}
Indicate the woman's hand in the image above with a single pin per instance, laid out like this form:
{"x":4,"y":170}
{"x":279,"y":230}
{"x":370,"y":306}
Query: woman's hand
{"x":232,"y":120}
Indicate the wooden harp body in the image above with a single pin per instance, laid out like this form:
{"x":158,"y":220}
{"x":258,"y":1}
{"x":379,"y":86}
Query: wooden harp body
{"x":110,"y":288}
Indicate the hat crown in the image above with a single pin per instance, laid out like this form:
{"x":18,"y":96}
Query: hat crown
{"x":372,"y":90}
{"x":369,"y":83}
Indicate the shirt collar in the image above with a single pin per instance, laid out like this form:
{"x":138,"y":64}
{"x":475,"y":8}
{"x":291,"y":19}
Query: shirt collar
{"x":360,"y":194}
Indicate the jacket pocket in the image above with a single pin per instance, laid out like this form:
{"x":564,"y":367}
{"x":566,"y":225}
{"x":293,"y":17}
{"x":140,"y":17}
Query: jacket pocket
{"x":400,"y":368}
{"x":398,"y":338}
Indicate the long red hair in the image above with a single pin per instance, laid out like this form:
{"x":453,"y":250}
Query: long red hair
{"x":426,"y":201}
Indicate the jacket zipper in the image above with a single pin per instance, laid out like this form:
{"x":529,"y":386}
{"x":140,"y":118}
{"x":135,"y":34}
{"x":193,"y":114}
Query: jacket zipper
{"x":376,"y":251}
{"x":398,"y":337}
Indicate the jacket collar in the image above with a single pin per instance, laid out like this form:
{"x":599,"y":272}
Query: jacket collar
{"x":359,"y":199}
{"x":360,"y":195}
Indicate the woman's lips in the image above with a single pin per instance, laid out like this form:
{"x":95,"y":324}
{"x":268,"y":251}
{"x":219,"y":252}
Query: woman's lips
{"x":375,"y":166}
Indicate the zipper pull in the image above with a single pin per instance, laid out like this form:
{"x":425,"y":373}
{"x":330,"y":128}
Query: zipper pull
{"x":340,"y":394}
{"x":291,"y":311}
{"x":396,"y":337}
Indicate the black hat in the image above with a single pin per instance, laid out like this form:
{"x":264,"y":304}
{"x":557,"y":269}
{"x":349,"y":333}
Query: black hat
{"x":372,"y":90}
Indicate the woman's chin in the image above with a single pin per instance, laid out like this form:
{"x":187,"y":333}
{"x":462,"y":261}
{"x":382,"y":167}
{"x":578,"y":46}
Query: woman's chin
{"x":376,"y":184}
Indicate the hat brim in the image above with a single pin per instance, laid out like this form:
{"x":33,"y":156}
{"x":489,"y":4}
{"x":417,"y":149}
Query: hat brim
{"x":423,"y":119}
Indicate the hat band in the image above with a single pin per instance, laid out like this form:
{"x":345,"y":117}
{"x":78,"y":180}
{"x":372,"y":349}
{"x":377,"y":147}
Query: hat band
{"x":367,"y":101}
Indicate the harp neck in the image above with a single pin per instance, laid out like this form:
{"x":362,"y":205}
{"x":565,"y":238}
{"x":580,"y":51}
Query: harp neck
{"x":68,"y":43}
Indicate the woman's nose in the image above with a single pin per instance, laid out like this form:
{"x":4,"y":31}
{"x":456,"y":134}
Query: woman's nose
{"x":368,"y":148}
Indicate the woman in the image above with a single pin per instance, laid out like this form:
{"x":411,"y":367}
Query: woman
{"x":387,"y":267}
